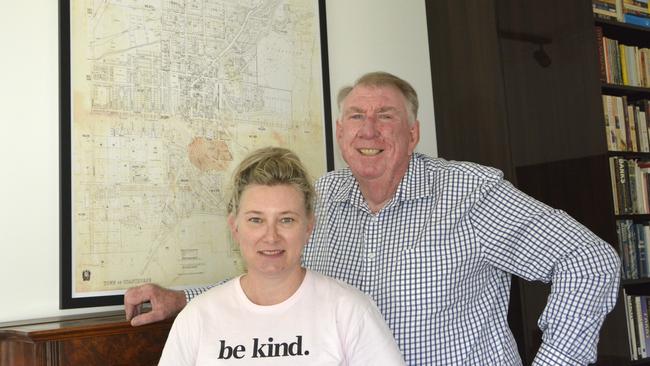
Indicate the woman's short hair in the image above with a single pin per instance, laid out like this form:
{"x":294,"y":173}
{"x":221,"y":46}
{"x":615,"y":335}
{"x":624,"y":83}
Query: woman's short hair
{"x":270,"y":166}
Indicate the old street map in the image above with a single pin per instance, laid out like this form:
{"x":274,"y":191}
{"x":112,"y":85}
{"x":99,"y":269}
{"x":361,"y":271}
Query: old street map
{"x":167,"y":96}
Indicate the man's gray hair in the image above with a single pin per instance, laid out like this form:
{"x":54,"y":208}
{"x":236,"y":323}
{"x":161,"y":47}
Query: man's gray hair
{"x":381,"y":78}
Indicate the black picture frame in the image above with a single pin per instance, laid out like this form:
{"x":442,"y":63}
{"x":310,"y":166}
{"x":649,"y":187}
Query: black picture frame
{"x":67,"y":300}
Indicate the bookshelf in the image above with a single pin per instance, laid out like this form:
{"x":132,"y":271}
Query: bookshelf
{"x":517,"y":86}
{"x":633,"y":223}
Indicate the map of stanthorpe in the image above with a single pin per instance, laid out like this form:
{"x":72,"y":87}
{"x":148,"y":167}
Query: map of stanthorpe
{"x":167,"y":96}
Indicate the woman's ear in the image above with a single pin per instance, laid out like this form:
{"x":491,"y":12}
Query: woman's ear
{"x":311,"y":223}
{"x":232,"y":224}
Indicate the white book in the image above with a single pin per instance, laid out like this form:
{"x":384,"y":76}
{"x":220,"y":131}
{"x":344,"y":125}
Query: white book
{"x":643,"y":130}
{"x":631,"y":325}
{"x":639,"y":327}
{"x":620,"y":125}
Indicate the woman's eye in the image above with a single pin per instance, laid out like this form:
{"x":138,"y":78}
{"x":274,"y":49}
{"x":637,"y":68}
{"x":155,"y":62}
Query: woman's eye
{"x":287,"y":220}
{"x":254,"y":220}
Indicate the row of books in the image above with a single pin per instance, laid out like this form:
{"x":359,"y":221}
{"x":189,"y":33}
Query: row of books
{"x":634,"y":248}
{"x":636,"y":309}
{"x":630,"y":185}
{"x":626,"y":124}
{"x":622,"y":64}
{"x":634,"y":12}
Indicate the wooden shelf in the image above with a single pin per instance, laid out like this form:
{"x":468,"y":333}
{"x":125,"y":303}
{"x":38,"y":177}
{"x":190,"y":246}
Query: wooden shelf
{"x":633,"y":92}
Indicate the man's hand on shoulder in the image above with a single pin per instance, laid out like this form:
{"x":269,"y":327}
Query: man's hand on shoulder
{"x":164,"y":303}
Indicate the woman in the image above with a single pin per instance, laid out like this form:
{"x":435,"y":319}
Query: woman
{"x":278,"y":313}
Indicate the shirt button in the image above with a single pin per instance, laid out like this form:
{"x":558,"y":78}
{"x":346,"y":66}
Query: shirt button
{"x":371,"y":256}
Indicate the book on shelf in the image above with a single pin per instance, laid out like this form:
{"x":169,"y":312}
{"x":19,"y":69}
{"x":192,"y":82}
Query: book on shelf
{"x":641,"y":349}
{"x":630,"y":127}
{"x":644,"y":172}
{"x":612,"y":176}
{"x":623,"y":250}
{"x":628,"y":249}
{"x":626,"y":124}
{"x":620,"y":63}
{"x":640,"y":196}
{"x":631,"y":180}
{"x":638,"y":327}
{"x":619,"y":187}
{"x":621,"y":130}
{"x":634,"y":248}
{"x":636,"y":12}
{"x":608,"y":9}
{"x":642,"y":129}
{"x":601,"y":54}
{"x":630,"y":325}
{"x":645,"y":326}
{"x":622,"y":52}
{"x":641,"y":252}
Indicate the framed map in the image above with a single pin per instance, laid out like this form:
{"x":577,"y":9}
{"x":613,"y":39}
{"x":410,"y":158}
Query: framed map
{"x":159,"y":101}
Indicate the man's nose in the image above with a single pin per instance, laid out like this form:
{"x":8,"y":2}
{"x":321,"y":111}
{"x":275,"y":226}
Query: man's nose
{"x":369,"y":127}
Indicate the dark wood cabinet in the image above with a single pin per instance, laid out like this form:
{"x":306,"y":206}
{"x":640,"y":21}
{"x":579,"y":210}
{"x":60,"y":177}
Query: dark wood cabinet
{"x":93,"y":339}
{"x":516,"y":86}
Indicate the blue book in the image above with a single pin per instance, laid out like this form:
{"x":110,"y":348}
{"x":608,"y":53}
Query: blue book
{"x":624,"y":250}
{"x":637,"y":20}
{"x":641,"y":251}
{"x":629,"y":239}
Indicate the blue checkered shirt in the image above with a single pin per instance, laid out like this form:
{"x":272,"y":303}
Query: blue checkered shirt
{"x":438,"y":258}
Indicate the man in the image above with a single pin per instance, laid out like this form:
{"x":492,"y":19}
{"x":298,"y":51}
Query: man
{"x":435,"y":244}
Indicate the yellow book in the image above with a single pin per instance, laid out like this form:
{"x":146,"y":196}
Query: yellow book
{"x":621,"y":56}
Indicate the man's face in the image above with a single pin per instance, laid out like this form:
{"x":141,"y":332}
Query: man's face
{"x":374,"y":134}
{"x":271,"y":227}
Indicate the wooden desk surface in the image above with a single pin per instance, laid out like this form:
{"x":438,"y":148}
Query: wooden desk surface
{"x":87,"y":339}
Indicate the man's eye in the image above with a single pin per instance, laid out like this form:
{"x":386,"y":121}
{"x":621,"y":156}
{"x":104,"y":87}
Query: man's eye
{"x":385,"y":116}
{"x":357,"y":116}
{"x":255,"y":220}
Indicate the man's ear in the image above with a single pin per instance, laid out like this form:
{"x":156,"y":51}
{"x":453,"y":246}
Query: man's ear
{"x":415,"y":136}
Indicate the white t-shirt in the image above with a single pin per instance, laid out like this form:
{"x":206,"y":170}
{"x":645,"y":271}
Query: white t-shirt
{"x":325,"y":322}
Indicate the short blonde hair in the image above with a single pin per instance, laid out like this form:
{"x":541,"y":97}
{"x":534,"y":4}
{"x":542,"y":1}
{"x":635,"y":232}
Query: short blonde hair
{"x":270,"y":166}
{"x":381,"y":78}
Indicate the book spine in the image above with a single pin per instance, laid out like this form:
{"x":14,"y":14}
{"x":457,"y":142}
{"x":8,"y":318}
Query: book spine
{"x":631,"y":326}
{"x":640,"y":341}
{"x":623,"y":59}
{"x":623,"y":251}
{"x":637,"y":20}
{"x":646,"y":327}
{"x":641,"y":251}
{"x":601,"y":54}
{"x":623,"y":186}
{"x":630,"y":242}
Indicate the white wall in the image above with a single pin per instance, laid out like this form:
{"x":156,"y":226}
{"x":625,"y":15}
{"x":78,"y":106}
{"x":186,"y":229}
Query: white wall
{"x":364,"y":35}
{"x":386,"y":35}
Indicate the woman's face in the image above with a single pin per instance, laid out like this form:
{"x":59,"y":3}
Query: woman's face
{"x":271,"y":227}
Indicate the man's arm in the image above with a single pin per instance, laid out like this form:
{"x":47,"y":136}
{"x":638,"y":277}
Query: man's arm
{"x":524,"y":237}
{"x":165,"y":303}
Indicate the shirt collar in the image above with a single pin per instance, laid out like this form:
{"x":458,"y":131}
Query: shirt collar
{"x":414,"y":185}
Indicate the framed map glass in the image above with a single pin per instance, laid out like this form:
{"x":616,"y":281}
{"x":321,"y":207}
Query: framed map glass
{"x":159,"y":101}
